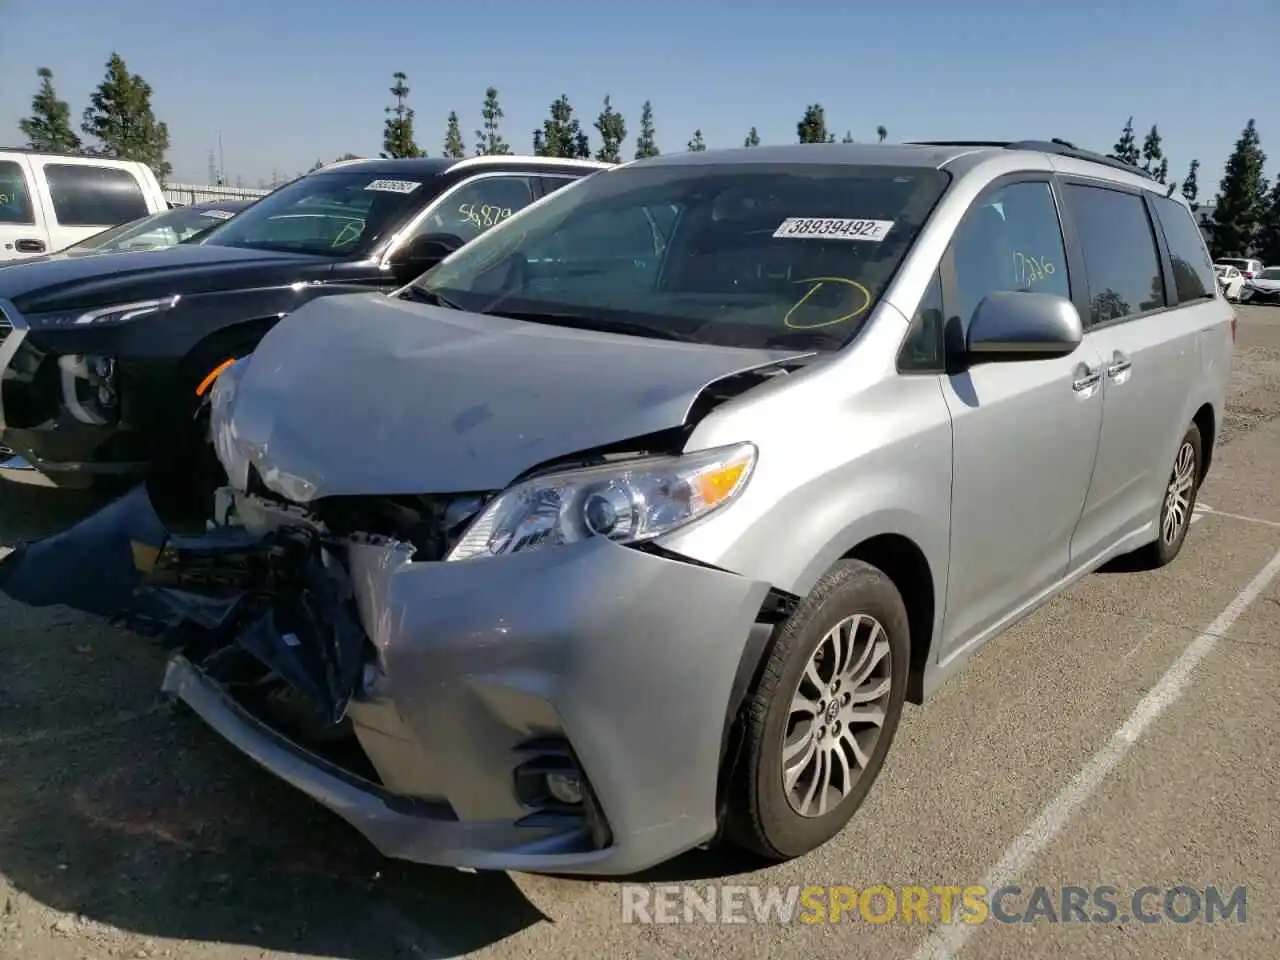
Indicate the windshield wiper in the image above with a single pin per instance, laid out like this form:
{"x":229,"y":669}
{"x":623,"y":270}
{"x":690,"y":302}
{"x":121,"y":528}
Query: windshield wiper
{"x":429,"y":297}
{"x":584,"y":322}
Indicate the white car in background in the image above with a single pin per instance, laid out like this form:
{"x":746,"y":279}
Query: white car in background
{"x":1247,"y":266}
{"x":1230,"y":280}
{"x":1264,"y":287}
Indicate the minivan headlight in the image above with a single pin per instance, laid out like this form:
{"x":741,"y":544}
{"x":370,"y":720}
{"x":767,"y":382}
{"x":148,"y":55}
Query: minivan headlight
{"x":624,"y":502}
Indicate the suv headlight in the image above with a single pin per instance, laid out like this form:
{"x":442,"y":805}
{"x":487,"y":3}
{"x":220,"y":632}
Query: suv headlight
{"x":625,"y":502}
{"x":117,"y":313}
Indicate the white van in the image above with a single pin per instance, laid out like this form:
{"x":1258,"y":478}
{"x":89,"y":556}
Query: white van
{"x":49,"y":201}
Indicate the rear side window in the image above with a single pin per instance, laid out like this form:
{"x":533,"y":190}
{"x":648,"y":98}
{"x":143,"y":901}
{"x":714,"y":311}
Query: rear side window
{"x":1120,"y":255}
{"x":92,"y":196}
{"x":1193,"y":276}
{"x":15,"y":197}
{"x":552,"y":184}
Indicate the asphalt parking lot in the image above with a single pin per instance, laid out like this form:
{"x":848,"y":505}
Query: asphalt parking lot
{"x":1125,"y":735}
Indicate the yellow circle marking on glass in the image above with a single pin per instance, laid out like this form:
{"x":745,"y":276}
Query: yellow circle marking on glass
{"x":817,"y":285}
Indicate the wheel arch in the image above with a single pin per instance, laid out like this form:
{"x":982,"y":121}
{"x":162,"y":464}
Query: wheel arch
{"x":197,"y":367}
{"x":907,"y":566}
{"x":903,"y":561}
{"x":1205,"y":420}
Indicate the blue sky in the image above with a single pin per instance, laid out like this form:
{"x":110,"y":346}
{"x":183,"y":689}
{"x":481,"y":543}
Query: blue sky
{"x":288,"y":83}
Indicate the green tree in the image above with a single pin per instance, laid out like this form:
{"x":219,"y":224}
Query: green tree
{"x":453,"y":145}
{"x":489,"y":140}
{"x":753,"y":139}
{"x":561,"y":134}
{"x":1268,"y":242}
{"x":646,"y":142}
{"x":848,"y":137}
{"x":1241,"y":197}
{"x":881,"y":133}
{"x":1126,"y":147}
{"x":120,"y":119}
{"x":1162,"y":171}
{"x":697,"y":144}
{"x":1191,"y":185}
{"x":812,"y":127}
{"x":613,"y":131}
{"x":1152,"y":150}
{"x":397,"y":136}
{"x":49,"y":127}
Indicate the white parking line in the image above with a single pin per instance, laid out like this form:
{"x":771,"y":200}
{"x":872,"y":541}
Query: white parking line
{"x":1209,"y":511}
{"x":948,"y":940}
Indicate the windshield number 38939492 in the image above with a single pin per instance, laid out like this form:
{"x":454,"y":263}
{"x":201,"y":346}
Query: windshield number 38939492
{"x":833,"y":228}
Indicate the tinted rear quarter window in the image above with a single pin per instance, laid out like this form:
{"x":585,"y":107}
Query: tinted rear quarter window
{"x":1193,"y":275}
{"x":15,"y":196}
{"x":90,"y":196}
{"x":552,"y":184}
{"x":1120,"y":257}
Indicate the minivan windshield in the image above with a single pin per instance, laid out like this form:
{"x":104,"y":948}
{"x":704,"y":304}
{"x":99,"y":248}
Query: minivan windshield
{"x":761,"y":255}
{"x":339,"y":214}
{"x":1271,"y":273}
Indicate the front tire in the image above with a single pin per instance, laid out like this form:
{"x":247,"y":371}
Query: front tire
{"x":1178,"y":505}
{"x":822,"y":719}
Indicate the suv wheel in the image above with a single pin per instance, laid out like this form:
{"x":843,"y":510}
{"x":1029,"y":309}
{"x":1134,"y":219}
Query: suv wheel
{"x":1178,"y":505}
{"x":823,"y":716}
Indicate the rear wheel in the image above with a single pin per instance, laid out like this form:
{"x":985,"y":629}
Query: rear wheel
{"x":821,"y":721}
{"x":1178,"y":505}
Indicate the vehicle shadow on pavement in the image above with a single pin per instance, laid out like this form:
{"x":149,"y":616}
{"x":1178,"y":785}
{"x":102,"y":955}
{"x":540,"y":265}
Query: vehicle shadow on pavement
{"x":132,"y":817}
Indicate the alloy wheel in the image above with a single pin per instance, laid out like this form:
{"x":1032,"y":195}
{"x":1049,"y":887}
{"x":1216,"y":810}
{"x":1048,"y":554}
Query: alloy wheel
{"x":1177,"y":500}
{"x":836,"y":716}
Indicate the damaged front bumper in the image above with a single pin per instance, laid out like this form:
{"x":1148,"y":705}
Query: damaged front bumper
{"x":557,"y":711}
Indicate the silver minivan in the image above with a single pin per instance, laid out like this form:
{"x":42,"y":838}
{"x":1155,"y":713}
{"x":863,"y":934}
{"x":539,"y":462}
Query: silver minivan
{"x":634,"y":523}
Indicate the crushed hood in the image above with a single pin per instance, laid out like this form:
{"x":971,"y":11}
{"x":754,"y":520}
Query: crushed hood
{"x":368,"y":394}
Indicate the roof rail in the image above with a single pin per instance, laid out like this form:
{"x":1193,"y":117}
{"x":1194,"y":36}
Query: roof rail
{"x":957,"y":143}
{"x":1062,"y":148}
{"x":1055,"y":146}
{"x":487,"y":159}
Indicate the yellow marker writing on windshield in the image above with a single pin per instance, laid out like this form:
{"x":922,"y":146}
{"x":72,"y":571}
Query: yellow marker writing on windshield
{"x":818,"y":283}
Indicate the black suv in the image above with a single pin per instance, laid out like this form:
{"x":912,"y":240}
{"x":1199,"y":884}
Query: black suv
{"x":105,"y":359}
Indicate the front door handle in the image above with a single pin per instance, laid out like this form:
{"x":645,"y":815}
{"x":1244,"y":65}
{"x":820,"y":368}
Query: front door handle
{"x":29,"y":246}
{"x":1086,"y":381}
{"x":1119,"y":367}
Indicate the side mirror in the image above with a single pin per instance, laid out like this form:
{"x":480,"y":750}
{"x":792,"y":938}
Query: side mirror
{"x":1023,"y":326}
{"x":422,"y":253}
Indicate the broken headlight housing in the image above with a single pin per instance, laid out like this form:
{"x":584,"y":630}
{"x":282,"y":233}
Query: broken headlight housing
{"x":624,"y":502}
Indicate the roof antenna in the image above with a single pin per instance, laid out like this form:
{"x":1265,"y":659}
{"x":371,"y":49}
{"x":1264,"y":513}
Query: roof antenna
{"x":1169,"y":193}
